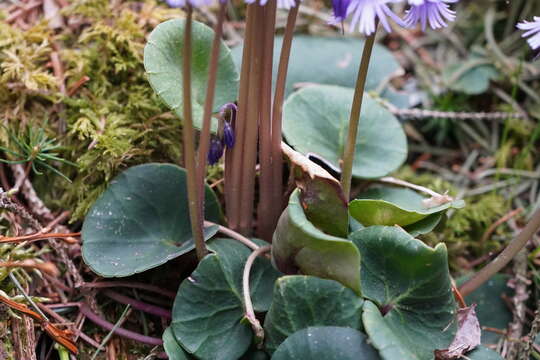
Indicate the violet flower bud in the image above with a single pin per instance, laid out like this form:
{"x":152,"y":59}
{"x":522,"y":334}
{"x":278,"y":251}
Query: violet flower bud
{"x":216,"y":151}
{"x":228,"y":135}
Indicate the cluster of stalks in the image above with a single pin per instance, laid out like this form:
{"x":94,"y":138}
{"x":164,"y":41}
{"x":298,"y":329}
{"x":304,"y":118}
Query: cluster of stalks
{"x":257,"y":127}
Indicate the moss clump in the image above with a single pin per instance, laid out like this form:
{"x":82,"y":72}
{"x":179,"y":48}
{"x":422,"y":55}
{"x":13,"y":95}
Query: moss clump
{"x":113,"y":121}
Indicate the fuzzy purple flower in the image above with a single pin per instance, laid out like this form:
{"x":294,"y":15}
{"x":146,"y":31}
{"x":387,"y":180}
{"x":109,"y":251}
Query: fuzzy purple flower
{"x":532,"y":31}
{"x":216,"y":151}
{"x":436,"y":12}
{"x":366,"y":12}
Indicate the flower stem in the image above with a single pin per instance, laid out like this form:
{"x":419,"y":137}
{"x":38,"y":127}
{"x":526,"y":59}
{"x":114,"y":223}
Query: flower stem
{"x":233,"y":159}
{"x":504,"y":258}
{"x":250,"y":312}
{"x":266,"y":207}
{"x":279,"y":95}
{"x":249,"y":153}
{"x":350,"y":145}
{"x":204,"y":141}
{"x":189,"y":144}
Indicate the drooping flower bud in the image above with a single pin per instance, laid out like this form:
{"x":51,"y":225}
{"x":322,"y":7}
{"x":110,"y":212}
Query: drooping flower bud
{"x":216,"y":151}
{"x":340,"y":10}
{"x":228,"y":135}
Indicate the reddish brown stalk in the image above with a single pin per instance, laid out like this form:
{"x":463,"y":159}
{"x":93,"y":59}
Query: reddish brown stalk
{"x":68,"y":238}
{"x":233,"y":161}
{"x":204,"y":142}
{"x":189,"y":144}
{"x":46,"y":267}
{"x":279,"y":96}
{"x":266,"y":209}
{"x":249,"y":153}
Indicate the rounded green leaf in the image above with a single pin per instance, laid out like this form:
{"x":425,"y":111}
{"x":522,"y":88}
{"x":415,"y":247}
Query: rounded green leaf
{"x":395,"y":206}
{"x":172,"y":348}
{"x":408,"y":281}
{"x":328,"y":343}
{"x":209,"y":307}
{"x":299,"y":246}
{"x":491,"y":309}
{"x":471,"y":76}
{"x":163,"y":59}
{"x":316,"y":119}
{"x":331,"y":61}
{"x":303,"y":301}
{"x":142,"y":221}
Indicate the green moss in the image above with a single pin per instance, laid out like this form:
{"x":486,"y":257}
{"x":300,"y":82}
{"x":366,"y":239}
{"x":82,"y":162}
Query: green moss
{"x":114,"y":121}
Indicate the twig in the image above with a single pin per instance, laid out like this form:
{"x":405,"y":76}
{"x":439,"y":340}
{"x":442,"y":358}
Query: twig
{"x":496,"y":224}
{"x":67,"y":238}
{"x":250,"y":312}
{"x":505,"y":257}
{"x":234,"y":235}
{"x":130,"y":284}
{"x":75,"y":87}
{"x":529,"y":339}
{"x":122,"y":318}
{"x":453,"y":115}
{"x":138,"y":305}
{"x":391,"y":180}
{"x":59,"y":318}
{"x":96,"y":319}
{"x":30,"y":301}
{"x":10,"y":205}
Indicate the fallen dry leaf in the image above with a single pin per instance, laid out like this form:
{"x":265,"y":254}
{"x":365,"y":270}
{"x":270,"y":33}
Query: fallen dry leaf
{"x":467,"y":336}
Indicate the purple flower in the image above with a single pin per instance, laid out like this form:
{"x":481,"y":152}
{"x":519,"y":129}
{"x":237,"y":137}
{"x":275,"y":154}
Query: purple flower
{"x":436,"y":12}
{"x":532,"y":31}
{"x":216,"y":151}
{"x":340,"y":10}
{"x":176,"y":3}
{"x":365,"y":12}
{"x":228,"y":135}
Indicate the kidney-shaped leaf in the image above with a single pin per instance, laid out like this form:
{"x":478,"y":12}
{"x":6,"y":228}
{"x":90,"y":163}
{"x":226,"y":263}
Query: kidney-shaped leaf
{"x":142,"y":221}
{"x":328,"y":343}
{"x":299,"y":246}
{"x":394,"y":206}
{"x":331,"y":61}
{"x":316,"y":119}
{"x":172,"y":348}
{"x":471,"y":76}
{"x":492,"y":309}
{"x":163,"y":58}
{"x":303,"y":301}
{"x":412,"y":309}
{"x":209,"y":308}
